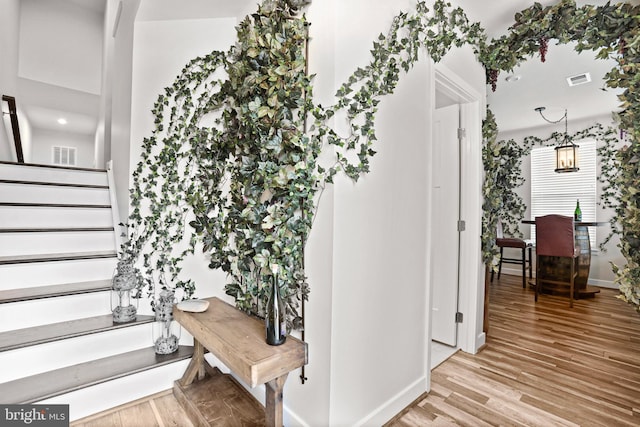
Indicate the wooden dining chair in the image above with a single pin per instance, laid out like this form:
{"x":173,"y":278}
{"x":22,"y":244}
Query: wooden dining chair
{"x":555,"y":237}
{"x":516,"y":243}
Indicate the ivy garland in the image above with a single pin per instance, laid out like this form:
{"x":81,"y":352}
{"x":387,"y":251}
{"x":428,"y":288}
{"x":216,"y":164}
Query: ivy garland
{"x":231,"y":157}
{"x":502,"y":161}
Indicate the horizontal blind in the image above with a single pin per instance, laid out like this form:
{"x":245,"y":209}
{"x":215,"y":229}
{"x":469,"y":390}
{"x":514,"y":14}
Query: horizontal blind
{"x":557,"y":193}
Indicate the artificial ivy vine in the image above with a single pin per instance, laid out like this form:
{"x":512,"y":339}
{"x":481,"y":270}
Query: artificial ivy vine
{"x":502,"y":161}
{"x":231,"y":167}
{"x":230,"y":155}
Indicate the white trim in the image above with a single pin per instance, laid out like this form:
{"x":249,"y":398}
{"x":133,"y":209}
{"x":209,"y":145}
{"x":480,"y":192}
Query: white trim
{"x":115,"y":214}
{"x":394,"y":405}
{"x":471,"y":293}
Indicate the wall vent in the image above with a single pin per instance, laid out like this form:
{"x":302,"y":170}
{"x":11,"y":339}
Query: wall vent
{"x":579,"y":79}
{"x":64,"y":156}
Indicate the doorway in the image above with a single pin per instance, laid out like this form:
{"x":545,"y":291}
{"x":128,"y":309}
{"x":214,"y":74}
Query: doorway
{"x":458,"y":166}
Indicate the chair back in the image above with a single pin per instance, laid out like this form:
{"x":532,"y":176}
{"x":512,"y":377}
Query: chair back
{"x":499,"y":232}
{"x":555,"y":236}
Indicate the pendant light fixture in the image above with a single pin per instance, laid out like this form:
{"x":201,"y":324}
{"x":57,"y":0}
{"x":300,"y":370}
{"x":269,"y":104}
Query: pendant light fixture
{"x":567,"y":151}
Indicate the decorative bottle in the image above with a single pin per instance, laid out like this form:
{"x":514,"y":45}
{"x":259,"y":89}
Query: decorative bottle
{"x":276,"y":318}
{"x":577,"y":214}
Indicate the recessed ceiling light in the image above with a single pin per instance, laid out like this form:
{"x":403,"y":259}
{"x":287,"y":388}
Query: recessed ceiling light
{"x":62,"y":121}
{"x":513,"y":78}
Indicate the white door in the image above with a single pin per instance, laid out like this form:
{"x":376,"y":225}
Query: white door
{"x":444,"y":228}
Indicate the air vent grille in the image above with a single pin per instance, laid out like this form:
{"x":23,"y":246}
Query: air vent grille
{"x":579,"y":79}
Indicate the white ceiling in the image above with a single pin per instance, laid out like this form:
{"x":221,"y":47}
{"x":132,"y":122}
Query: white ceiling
{"x":542,"y":84}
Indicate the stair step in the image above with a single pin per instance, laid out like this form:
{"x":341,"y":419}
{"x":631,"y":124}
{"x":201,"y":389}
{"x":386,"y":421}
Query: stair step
{"x":54,"y":205}
{"x":54,"y":217}
{"x":50,"y":173}
{"x":26,"y":337}
{"x":52,"y":291}
{"x":38,"y":165}
{"x":24,"y":259}
{"x":60,"y":381}
{"x":55,"y":229}
{"x":55,"y":184}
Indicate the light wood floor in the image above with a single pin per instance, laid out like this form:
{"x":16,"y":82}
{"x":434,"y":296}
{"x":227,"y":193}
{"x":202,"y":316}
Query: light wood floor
{"x":544,"y":365}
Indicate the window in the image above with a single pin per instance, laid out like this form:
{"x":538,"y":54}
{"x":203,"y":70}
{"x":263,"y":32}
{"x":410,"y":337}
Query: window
{"x":65,"y":156}
{"x":557,"y":193}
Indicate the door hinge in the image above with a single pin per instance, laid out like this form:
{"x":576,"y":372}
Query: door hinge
{"x":462,"y":133}
{"x":462,"y":225}
{"x":458,"y":317}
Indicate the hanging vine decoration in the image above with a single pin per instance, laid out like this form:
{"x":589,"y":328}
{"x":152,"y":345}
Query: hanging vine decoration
{"x":502,"y":161}
{"x":229,"y":155}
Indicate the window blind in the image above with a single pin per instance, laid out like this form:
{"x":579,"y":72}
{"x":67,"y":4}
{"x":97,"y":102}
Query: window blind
{"x":557,"y":193}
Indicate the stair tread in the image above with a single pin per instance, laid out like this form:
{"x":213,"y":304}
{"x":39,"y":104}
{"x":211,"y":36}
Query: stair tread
{"x":49,"y":291}
{"x":64,"y":380}
{"x":37,"y":165}
{"x":26,"y":337}
{"x":53,"y":205}
{"x":23,"y":259}
{"x":54,"y":229}
{"x":53,"y":184}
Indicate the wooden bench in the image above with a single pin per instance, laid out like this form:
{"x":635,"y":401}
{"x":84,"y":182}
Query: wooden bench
{"x":238,"y":341}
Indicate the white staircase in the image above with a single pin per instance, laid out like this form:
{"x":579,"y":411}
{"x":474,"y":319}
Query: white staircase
{"x":58,"y":343}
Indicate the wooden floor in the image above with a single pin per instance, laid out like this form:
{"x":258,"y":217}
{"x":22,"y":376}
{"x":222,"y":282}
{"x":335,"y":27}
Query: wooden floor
{"x":544,"y":365}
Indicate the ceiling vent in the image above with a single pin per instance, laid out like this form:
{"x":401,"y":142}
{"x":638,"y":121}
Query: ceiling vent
{"x":579,"y":79}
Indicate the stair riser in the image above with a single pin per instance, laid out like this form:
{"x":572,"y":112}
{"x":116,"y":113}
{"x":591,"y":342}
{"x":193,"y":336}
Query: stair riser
{"x":54,"y":355}
{"x":44,"y":174}
{"x":58,"y":242}
{"x":20,"y":193}
{"x":53,"y":273}
{"x":26,"y":314}
{"x":101,"y":397}
{"x":43,"y":217}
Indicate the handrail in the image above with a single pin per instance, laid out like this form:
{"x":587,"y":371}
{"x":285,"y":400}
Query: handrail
{"x":13,"y":113}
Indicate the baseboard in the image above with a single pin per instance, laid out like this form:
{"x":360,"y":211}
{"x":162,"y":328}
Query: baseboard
{"x":603,"y":283}
{"x":393,"y":406}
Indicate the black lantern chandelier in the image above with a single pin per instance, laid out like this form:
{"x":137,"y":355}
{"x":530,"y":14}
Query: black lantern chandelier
{"x":567,"y":151}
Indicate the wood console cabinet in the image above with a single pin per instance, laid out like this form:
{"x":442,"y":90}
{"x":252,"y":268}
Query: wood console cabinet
{"x":238,"y":340}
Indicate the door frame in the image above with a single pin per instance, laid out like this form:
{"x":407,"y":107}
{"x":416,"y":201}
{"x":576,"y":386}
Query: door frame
{"x":471,"y":337}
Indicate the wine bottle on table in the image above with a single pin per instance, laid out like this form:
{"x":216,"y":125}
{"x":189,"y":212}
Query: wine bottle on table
{"x":276,"y":318}
{"x":577,"y":214}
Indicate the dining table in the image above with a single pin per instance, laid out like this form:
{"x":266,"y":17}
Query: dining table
{"x":558,"y":268}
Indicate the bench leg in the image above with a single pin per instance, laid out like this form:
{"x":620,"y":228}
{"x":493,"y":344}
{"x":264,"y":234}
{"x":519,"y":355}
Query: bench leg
{"x":273,"y":401}
{"x":196,"y":366}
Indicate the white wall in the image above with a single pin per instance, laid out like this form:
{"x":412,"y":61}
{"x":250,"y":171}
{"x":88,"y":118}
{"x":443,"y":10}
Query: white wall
{"x":117,"y":105}
{"x":43,"y":141}
{"x":600,"y":273}
{"x":9,"y":30}
{"x":61,"y":44}
{"x":160,"y":51}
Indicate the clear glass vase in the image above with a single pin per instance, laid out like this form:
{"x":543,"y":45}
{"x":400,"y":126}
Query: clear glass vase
{"x":166,"y":331}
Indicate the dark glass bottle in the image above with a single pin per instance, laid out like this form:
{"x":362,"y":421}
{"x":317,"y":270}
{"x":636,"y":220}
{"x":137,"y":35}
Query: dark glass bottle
{"x":276,"y":319}
{"x":577,"y":214}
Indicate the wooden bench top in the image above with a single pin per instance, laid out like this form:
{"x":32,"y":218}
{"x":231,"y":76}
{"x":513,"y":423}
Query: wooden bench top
{"x":238,"y":340}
